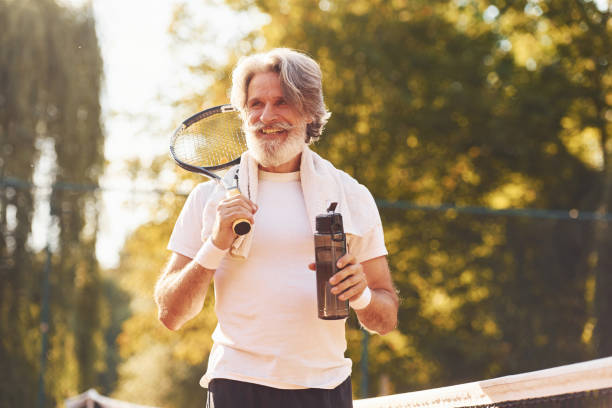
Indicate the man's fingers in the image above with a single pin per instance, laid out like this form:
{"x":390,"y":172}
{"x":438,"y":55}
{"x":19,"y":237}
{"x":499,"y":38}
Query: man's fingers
{"x":234,"y":208}
{"x":229,"y":215}
{"x":237,"y":203}
{"x":349,"y":283}
{"x":353,"y":291}
{"x":242,"y":200}
{"x":346,"y":259}
{"x":344,"y":273}
{"x":228,"y":211}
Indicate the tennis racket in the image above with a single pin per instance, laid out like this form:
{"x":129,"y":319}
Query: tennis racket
{"x":209,"y":143}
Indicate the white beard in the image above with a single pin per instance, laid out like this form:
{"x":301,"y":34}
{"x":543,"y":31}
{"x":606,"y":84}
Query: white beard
{"x":274,"y":152}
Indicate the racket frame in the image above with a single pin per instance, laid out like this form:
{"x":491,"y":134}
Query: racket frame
{"x":207,"y":171}
{"x":240,"y":226}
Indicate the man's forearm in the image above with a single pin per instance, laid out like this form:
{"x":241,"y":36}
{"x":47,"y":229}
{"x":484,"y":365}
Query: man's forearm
{"x":180,"y":294}
{"x":380,"y":315}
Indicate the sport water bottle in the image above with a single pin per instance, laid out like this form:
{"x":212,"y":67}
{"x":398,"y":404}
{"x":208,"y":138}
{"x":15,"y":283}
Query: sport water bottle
{"x":330,"y":245}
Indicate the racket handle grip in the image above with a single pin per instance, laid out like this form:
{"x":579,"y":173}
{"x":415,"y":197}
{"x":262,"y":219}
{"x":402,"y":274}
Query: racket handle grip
{"x":240,"y":226}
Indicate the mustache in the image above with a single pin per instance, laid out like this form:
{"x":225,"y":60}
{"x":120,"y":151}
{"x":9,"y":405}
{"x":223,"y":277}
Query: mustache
{"x":257,"y":126}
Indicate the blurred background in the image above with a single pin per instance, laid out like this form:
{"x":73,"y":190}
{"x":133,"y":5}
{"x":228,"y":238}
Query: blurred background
{"x":482,"y":128}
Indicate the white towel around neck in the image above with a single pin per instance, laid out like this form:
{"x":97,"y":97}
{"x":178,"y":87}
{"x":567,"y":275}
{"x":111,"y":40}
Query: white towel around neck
{"x":322,"y":184}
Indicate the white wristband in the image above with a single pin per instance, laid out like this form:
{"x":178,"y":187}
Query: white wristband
{"x":209,"y":256}
{"x":363,"y":300}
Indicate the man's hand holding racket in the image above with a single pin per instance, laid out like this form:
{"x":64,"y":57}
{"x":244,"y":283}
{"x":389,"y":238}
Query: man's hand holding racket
{"x":229,"y":210}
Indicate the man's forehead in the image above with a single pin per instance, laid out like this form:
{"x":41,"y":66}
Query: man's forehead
{"x":267,"y":83}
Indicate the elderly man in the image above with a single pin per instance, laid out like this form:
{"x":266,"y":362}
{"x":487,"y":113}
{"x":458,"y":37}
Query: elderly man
{"x":270,"y":348}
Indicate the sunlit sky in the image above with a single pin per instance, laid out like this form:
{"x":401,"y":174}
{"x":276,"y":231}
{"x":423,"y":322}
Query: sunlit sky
{"x":137,"y":68}
{"x":143,"y":73}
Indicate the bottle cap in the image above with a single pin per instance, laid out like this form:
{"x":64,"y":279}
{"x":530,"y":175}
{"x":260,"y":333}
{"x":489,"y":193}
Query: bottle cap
{"x":330,"y":223}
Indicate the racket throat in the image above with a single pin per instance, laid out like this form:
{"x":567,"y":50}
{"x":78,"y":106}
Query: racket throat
{"x":232,"y":191}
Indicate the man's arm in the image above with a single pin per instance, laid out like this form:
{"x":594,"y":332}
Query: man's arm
{"x":381,"y":314}
{"x":181,"y":290}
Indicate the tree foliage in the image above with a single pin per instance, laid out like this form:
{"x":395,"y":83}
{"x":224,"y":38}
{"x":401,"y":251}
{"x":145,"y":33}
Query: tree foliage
{"x":50,"y":73}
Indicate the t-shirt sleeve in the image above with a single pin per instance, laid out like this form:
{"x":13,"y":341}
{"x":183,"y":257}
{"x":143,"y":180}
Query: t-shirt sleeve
{"x":186,"y":235}
{"x":369,"y":246}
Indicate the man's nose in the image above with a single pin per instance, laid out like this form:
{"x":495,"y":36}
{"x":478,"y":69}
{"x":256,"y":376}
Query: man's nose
{"x":268,"y":114}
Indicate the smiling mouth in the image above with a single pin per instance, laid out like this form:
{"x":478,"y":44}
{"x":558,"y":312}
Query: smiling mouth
{"x":270,"y":131}
{"x":266,"y":133}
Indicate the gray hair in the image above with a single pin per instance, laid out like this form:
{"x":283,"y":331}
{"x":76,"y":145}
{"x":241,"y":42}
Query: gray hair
{"x":300,"y":78}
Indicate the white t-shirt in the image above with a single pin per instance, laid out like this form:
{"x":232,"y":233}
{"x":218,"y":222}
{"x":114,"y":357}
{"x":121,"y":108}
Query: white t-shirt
{"x":268,"y":331}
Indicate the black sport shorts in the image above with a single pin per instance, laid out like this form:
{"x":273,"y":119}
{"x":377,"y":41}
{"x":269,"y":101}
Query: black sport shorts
{"x":224,"y":393}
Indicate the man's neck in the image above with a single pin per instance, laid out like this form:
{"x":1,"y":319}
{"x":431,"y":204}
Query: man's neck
{"x":287,"y":167}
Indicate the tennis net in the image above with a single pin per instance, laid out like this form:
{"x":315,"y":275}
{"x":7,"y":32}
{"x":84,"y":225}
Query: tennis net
{"x":582,"y":385}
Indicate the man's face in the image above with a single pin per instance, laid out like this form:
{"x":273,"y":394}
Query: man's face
{"x":275,"y":130}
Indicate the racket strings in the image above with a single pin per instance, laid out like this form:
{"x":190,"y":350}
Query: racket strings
{"x":211,"y":141}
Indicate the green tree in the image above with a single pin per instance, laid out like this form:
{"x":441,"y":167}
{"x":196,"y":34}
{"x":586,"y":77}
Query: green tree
{"x":50,"y":71}
{"x":576,"y":37}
